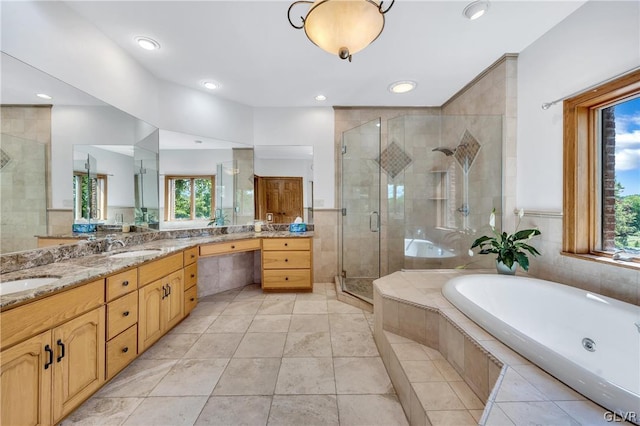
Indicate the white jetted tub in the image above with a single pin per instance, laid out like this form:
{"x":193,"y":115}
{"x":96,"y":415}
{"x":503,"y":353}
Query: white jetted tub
{"x":589,"y":341}
{"x":425,"y":249}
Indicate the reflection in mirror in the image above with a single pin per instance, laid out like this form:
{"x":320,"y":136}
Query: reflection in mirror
{"x":145,"y":183}
{"x":109,"y":193}
{"x":37,"y":143}
{"x":187,"y":164}
{"x":284,"y":183}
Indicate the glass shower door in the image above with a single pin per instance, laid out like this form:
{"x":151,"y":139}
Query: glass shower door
{"x":361,"y":209}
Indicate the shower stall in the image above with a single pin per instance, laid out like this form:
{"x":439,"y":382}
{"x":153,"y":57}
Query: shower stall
{"x":417,"y":196}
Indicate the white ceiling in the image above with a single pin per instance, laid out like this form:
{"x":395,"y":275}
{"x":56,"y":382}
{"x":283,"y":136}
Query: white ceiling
{"x":260,"y":60}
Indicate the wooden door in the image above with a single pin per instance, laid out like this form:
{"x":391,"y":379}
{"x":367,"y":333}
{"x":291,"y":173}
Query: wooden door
{"x":25,"y":382}
{"x":79,"y":361}
{"x":283,"y":198}
{"x":174,"y":309}
{"x":150,"y":304}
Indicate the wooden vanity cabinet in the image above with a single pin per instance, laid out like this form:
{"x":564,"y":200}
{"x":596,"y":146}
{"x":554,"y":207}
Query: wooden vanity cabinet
{"x":287,"y":264}
{"x":190,"y":279}
{"x":160,"y":302}
{"x":50,"y":373}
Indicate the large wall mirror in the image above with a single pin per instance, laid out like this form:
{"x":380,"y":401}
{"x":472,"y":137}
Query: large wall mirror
{"x":48,"y":145}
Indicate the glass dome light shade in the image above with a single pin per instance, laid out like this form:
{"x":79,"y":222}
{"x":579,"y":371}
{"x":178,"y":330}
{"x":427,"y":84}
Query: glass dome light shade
{"x":336,"y":24}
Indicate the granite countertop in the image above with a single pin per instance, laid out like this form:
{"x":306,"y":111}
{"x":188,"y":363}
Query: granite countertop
{"x":76,"y":270}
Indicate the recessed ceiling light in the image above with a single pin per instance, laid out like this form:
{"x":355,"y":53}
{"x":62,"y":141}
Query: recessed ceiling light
{"x":211,"y":85}
{"x":43,"y":96}
{"x":321,"y":98}
{"x":147,"y":43}
{"x":475,"y":9}
{"x":402,"y":86}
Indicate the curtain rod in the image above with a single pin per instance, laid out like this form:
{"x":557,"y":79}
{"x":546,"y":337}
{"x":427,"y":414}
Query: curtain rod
{"x":547,"y":105}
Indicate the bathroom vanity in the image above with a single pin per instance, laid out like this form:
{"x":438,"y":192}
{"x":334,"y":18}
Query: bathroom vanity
{"x":61,"y":342}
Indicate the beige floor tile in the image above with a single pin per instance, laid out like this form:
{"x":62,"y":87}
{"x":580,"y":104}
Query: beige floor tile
{"x":316,"y":344}
{"x":422,"y":371}
{"x":209,"y":308}
{"x":308,"y":410}
{"x":215,"y":345}
{"x":250,"y":376}
{"x":261,"y":345}
{"x":235,"y":410}
{"x":450,"y":374}
{"x":476,"y":414}
{"x":410,"y":352}
{"x":280,"y":296}
{"x":249,"y":307}
{"x":451,"y":418}
{"x":276,"y":307}
{"x":337,"y":307}
{"x":497,"y":417}
{"x":191,"y":377}
{"x":371,"y":410}
{"x":310,"y":307}
{"x":138,"y":379}
{"x":541,"y":413}
{"x":306,"y":376}
{"x":194,"y":324}
{"x":310,"y":296}
{"x":167,"y":410}
{"x":103,"y":411}
{"x":437,"y":396}
{"x":309,"y":323}
{"x":350,"y":344}
{"x":361,"y":376}
{"x":348,"y":322}
{"x":587,"y":413}
{"x":171,"y":346}
{"x":270,"y":323}
{"x":515,"y":388}
{"x":231,"y":324}
{"x":549,"y":386}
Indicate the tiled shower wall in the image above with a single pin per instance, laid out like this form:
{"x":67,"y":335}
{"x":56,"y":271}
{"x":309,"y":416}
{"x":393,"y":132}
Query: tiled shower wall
{"x":25,"y":144}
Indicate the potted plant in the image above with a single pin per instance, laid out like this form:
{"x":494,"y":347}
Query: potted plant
{"x":511,"y":248}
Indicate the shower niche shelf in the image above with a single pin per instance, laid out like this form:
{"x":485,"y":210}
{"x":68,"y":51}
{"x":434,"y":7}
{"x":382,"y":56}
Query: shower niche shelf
{"x":440,"y":195}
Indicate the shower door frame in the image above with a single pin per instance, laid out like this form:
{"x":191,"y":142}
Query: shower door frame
{"x":372,"y":226}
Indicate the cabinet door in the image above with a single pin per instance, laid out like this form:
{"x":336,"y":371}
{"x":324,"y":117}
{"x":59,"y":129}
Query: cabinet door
{"x":150,"y":304}
{"x":25,"y":382}
{"x":174,"y":308}
{"x":78,"y":368}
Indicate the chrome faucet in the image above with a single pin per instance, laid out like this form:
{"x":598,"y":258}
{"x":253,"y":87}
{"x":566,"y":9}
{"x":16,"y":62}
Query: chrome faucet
{"x":111,"y":241}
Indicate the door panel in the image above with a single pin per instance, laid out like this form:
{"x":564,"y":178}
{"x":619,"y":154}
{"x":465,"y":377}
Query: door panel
{"x":282,"y":197}
{"x":175,"y":301}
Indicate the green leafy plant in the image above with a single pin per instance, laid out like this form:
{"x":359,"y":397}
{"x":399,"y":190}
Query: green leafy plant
{"x":510,"y":248}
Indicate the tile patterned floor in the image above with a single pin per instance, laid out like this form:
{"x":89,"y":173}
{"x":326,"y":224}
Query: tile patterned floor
{"x":248,"y":358}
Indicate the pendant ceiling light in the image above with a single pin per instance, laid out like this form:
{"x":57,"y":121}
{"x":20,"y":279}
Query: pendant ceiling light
{"x":342,"y":27}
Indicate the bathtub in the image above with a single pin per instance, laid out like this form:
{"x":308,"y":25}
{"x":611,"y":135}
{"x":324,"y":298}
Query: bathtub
{"x":425,"y":249}
{"x":549,"y":323}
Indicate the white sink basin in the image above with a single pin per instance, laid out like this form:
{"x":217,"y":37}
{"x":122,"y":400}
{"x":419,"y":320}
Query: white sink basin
{"x":9,"y":287}
{"x":136,"y":253}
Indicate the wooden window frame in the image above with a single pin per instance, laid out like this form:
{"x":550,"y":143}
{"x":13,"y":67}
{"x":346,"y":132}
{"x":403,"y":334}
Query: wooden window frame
{"x":581,"y":206}
{"x":168,"y":196}
{"x":102,"y":200}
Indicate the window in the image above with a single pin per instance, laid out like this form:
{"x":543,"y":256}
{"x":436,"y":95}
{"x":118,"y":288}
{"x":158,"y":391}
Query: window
{"x":602,"y":169}
{"x":189,"y":197}
{"x":90,"y":196}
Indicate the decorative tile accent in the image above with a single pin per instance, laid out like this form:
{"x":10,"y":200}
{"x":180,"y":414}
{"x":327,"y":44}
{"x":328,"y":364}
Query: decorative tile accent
{"x":4,"y":159}
{"x":393,"y":159}
{"x":466,"y":151}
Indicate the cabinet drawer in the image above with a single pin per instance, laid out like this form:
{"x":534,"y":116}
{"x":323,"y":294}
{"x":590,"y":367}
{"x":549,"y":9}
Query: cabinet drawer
{"x":190,"y":275}
{"x":190,"y":299}
{"x":20,"y":323}
{"x":284,"y":279}
{"x":157,"y":269}
{"x":190,"y":256}
{"x":121,"y":314}
{"x":121,"y":283}
{"x":121,"y":350}
{"x":286,"y":244}
{"x":230,"y":247}
{"x":286,"y":259}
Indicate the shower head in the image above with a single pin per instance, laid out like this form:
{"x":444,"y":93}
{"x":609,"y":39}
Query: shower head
{"x":446,"y":151}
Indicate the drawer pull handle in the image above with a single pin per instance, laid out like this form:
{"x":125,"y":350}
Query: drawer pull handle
{"x":125,"y":349}
{"x":233,"y":247}
{"x":125,"y":283}
{"x":50,"y":361}
{"x":286,"y":244}
{"x":59,"y":343}
{"x":193,"y":299}
{"x":286,"y":260}
{"x":286,"y":278}
{"x":193,"y":255}
{"x":125,"y":314}
{"x":164,"y":292}
{"x":193,"y":275}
